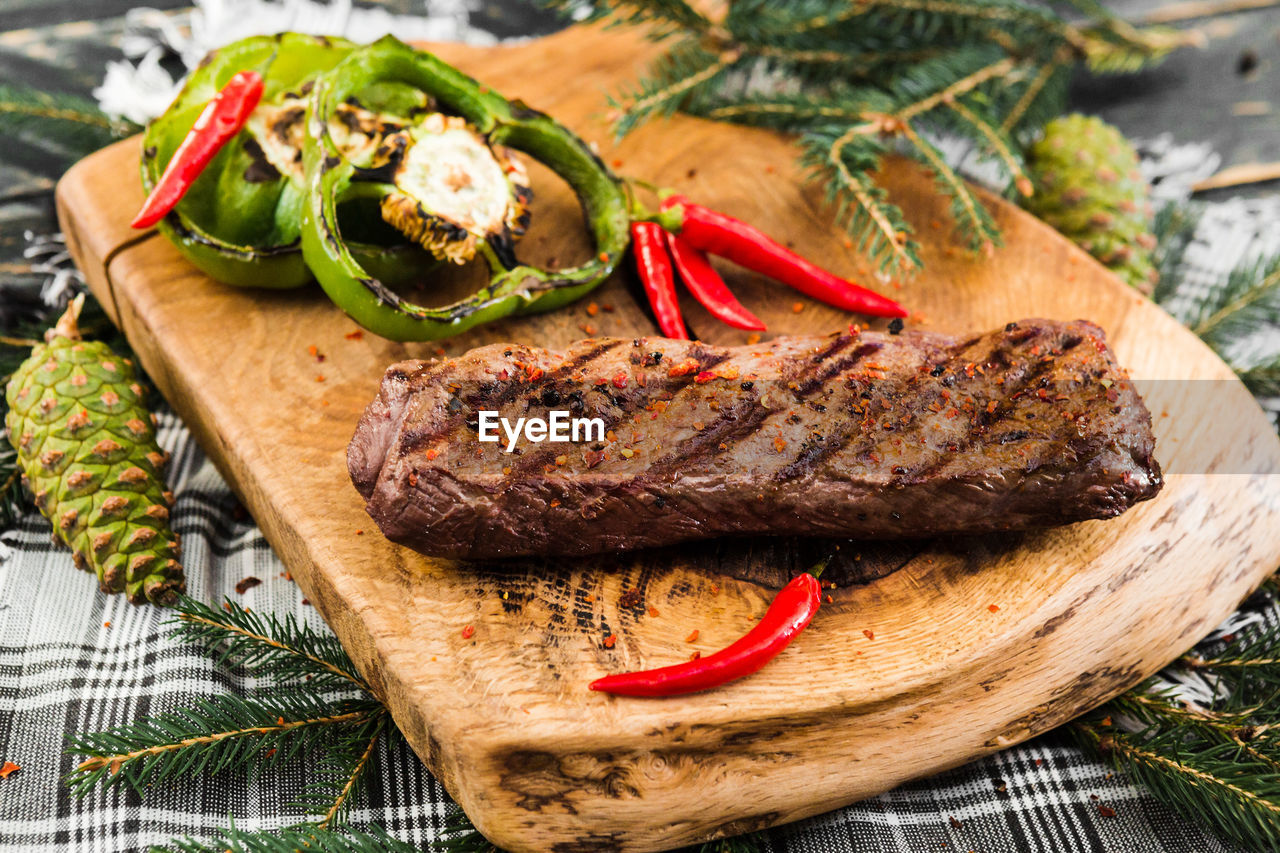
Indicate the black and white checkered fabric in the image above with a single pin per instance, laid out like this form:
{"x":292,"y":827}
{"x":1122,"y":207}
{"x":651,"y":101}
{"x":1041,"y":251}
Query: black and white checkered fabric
{"x":72,"y":660}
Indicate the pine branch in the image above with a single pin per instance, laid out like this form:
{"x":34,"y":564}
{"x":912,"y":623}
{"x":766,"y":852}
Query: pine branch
{"x":972,"y":219}
{"x":309,"y":838}
{"x":461,"y":836}
{"x":1263,"y":378}
{"x":662,"y":17}
{"x":1237,"y":797}
{"x":283,"y":649}
{"x":671,"y":84}
{"x":72,"y":122}
{"x":989,"y":71}
{"x":843,"y":163}
{"x":998,"y":144}
{"x":1249,"y":301}
{"x":216,"y":734}
{"x":344,"y":770}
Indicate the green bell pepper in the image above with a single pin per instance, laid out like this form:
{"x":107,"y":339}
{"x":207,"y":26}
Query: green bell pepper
{"x":514,"y":288}
{"x":239,"y":222}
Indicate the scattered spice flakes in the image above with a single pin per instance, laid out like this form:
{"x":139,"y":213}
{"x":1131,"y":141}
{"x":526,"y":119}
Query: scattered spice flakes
{"x":357,"y":335}
{"x":1106,"y":811}
{"x":693,"y":636}
{"x":106,"y":624}
{"x":610,"y":641}
{"x":695,"y":655}
{"x":319,"y":377}
{"x":955,"y":824}
{"x":306,"y":602}
{"x":247,"y":584}
{"x":868,"y":633}
{"x":753,"y":338}
{"x":797,"y":307}
{"x":653,"y":612}
{"x":8,"y":769}
{"x":779,"y":444}
{"x":684,"y":368}
{"x":315,"y":353}
{"x":593,"y":309}
{"x":993,"y":607}
{"x":468,"y":632}
{"x":630,"y":599}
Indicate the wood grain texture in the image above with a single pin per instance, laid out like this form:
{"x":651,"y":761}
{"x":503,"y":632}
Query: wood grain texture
{"x":504,"y":718}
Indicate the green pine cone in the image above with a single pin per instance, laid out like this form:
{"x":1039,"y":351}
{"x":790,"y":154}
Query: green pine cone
{"x":1089,"y":187}
{"x":87,"y":448}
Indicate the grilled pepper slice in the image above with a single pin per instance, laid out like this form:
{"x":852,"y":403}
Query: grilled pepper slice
{"x":333,"y":179}
{"x":239,"y":220}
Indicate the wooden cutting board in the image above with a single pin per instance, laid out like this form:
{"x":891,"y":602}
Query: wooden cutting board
{"x":929,"y":654}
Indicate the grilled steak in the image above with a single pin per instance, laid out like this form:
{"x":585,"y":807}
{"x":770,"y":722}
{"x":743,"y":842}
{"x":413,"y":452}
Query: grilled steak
{"x":850,"y":435}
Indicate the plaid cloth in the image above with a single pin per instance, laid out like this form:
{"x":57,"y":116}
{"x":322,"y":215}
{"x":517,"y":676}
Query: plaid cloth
{"x":72,"y":660}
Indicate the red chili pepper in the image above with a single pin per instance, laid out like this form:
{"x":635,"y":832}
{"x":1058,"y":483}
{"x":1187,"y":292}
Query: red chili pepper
{"x":708,"y":287}
{"x":748,"y":246}
{"x":221,"y":119}
{"x":786,"y":617}
{"x":654,"y":266}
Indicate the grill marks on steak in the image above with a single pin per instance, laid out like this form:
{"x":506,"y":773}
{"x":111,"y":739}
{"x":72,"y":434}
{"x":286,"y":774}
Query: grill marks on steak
{"x":851,"y":435}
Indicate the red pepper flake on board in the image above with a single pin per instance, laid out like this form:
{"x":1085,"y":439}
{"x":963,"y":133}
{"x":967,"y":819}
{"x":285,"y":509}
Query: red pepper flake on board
{"x":432,"y":453}
{"x":868,"y":633}
{"x":468,"y":632}
{"x":684,"y":368}
{"x":797,"y":307}
{"x":8,"y":769}
{"x":695,"y":656}
{"x":619,"y":380}
{"x":358,"y":334}
{"x":630,"y":599}
{"x":247,"y":584}
{"x":993,"y":607}
{"x":653,"y":612}
{"x":593,"y":309}
{"x":1106,"y":811}
{"x":610,"y":641}
{"x":693,"y":636}
{"x":779,"y":444}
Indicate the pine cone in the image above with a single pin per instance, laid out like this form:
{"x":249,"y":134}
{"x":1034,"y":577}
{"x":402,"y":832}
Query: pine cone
{"x":1089,"y":187}
{"x":86,"y":444}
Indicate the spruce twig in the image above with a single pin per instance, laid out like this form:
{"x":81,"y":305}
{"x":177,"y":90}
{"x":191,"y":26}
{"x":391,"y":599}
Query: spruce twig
{"x":847,"y":75}
{"x":284,"y":649}
{"x":291,"y":840}
{"x":211,"y":736}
